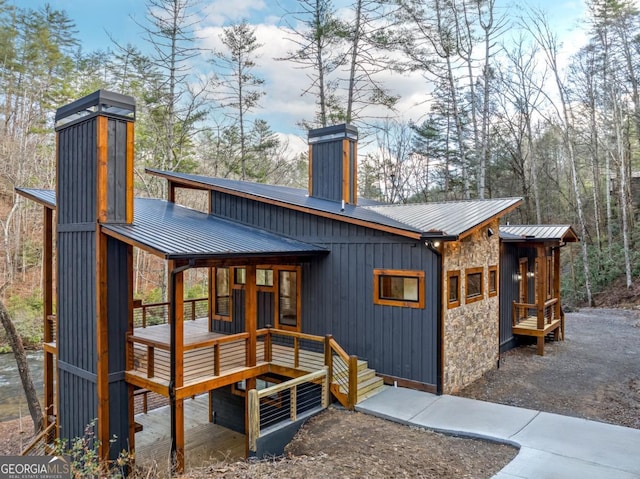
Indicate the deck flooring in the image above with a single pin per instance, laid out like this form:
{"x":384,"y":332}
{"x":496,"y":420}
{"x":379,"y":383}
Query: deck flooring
{"x":205,"y":443}
{"x":194,"y":332}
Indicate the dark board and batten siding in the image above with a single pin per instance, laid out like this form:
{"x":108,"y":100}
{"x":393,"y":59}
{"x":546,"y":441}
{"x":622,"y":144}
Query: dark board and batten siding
{"x":326,"y":181}
{"x":76,"y":307}
{"x":510,"y":255}
{"x":337,"y":290}
{"x":76,"y":279}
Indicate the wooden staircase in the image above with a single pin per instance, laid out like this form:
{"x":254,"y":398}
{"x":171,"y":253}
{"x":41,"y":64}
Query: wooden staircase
{"x":352,"y":381}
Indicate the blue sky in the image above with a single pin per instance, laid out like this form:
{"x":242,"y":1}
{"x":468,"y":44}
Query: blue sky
{"x":284,"y":105}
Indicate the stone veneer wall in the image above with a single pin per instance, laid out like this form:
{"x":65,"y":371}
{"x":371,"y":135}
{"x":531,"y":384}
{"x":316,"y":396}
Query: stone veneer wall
{"x":471,"y":331}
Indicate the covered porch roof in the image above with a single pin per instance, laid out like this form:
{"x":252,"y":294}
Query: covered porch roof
{"x":538,"y":233}
{"x":174,"y":232}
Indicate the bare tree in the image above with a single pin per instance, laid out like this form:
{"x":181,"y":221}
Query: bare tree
{"x":538,"y":25}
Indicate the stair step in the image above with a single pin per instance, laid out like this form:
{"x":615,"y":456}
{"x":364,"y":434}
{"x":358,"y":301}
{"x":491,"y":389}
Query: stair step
{"x":369,"y":385}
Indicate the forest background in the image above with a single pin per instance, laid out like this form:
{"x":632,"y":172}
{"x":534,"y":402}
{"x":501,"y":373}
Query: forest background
{"x":503,"y":114}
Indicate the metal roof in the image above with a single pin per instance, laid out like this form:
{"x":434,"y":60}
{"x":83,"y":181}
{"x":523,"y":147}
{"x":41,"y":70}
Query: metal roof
{"x":176,"y":232}
{"x":44,"y":197}
{"x":447,"y":220}
{"x":538,"y":233}
{"x":452,"y":218}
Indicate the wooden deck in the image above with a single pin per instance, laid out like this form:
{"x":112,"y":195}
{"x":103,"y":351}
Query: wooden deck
{"x":529,"y":327}
{"x":205,"y":443}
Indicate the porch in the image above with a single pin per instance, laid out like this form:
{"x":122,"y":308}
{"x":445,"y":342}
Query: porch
{"x":206,"y":361}
{"x":531,"y":282}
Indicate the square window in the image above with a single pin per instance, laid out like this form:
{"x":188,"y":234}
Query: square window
{"x":474,"y":290}
{"x":264,"y":277}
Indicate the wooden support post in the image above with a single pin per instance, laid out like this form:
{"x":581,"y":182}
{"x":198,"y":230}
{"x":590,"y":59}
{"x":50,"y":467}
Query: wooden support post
{"x":353,"y":381}
{"x":176,"y":309}
{"x":210,"y":394}
{"x":296,"y":352}
{"x":102,"y":344}
{"x":293,"y":403}
{"x":251,"y":313}
{"x":328,"y":356}
{"x":151,"y":358}
{"x":47,"y":273}
{"x":541,"y":263}
{"x":326,"y":384}
{"x":268,"y":347}
{"x":212,"y":296}
{"x":253,"y":406}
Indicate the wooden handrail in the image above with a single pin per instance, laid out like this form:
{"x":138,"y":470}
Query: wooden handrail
{"x":41,"y":437}
{"x":220,"y":340}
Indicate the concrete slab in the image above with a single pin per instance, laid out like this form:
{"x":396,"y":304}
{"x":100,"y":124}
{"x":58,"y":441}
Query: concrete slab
{"x":397,"y":404}
{"x":535,"y":464}
{"x":474,"y":418}
{"x":612,"y":446}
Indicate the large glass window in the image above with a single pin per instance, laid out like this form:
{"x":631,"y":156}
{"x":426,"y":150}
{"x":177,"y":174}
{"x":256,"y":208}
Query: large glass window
{"x":288,"y":299}
{"x":399,"y":288}
{"x":474,"y":290}
{"x":264,"y":277}
{"x":222,"y":293}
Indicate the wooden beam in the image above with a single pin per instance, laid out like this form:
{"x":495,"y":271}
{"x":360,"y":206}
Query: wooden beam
{"x":345,"y":171}
{"x":102,"y":133}
{"x":47,"y":280}
{"x":129,"y":171}
{"x":251,"y":313}
{"x":102,"y":344}
{"x":354,"y":172}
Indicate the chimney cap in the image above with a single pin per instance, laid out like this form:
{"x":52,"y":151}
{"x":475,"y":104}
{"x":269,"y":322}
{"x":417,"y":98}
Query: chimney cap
{"x":101,"y":101}
{"x":334,"y":132}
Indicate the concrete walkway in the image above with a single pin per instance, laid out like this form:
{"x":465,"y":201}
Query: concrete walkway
{"x":551,"y":445}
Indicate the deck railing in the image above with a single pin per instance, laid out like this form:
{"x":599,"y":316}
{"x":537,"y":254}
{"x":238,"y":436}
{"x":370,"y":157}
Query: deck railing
{"x":42,"y":444}
{"x":284,"y":351}
{"x":286,"y":402}
{"x":151,"y":314}
{"x":544,"y":315}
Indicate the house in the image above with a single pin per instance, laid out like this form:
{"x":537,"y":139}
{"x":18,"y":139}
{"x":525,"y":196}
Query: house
{"x":315,"y":288}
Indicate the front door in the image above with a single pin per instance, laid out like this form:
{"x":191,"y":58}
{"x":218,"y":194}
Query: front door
{"x":524,"y":280}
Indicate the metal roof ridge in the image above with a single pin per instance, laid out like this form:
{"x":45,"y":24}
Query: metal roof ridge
{"x":445,"y":202}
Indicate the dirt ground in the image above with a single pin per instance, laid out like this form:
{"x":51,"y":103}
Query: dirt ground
{"x":593,"y":374}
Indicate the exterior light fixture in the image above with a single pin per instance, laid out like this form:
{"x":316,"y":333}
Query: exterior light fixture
{"x":530,"y":274}
{"x":518,"y":277}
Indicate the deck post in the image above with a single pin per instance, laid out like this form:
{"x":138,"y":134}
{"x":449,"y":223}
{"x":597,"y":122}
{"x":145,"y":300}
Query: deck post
{"x":328,"y":356}
{"x":47,"y":266}
{"x":176,"y":318}
{"x":541,"y":264}
{"x":353,"y":381}
{"x":251,"y":313}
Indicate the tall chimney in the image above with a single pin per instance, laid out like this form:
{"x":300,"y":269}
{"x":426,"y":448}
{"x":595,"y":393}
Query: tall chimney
{"x":333,"y":163}
{"x":94,"y":186}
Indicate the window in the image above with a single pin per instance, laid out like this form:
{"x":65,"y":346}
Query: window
{"x":222,"y":294}
{"x":453,"y":282}
{"x":239,"y":276}
{"x":288,"y":294}
{"x":493,"y":280}
{"x":474,"y":285}
{"x":264,"y":277}
{"x":398,"y":288}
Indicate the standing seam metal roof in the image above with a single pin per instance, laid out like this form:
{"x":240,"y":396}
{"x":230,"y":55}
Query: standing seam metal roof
{"x":176,"y":232}
{"x":538,"y":233}
{"x":443,"y":219}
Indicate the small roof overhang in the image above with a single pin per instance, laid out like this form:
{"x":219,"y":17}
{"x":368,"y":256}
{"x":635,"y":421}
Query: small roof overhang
{"x":538,"y":233}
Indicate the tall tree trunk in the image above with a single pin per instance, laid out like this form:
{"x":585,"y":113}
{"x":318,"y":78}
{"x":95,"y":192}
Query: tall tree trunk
{"x":23,"y":368}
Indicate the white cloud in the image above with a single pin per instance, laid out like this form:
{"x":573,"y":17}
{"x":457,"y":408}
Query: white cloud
{"x":221,"y":12}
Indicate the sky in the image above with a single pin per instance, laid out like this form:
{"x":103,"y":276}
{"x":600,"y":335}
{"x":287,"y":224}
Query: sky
{"x":284,"y":105}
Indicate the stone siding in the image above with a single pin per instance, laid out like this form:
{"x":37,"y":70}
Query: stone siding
{"x":471,"y":331}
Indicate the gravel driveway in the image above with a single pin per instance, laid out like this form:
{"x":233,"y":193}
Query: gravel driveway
{"x":593,"y":374}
